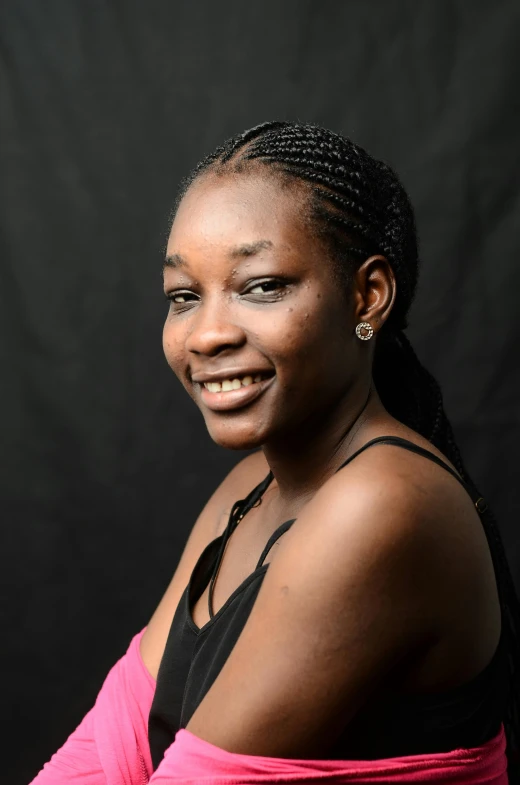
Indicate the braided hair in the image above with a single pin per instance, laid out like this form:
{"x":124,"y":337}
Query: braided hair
{"x":359,"y":207}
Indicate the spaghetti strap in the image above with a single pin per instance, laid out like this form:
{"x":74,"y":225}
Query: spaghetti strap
{"x":398,"y":441}
{"x":244,"y":505}
{"x":272,"y":539}
{"x":238,"y":511}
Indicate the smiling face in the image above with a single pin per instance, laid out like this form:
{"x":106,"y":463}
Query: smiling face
{"x":255,"y":307}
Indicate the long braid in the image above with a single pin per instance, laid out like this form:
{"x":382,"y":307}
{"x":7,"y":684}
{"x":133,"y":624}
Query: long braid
{"x":359,"y":208}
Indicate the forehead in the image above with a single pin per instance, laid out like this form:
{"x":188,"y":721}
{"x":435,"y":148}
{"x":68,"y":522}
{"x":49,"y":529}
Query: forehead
{"x":233,"y":209}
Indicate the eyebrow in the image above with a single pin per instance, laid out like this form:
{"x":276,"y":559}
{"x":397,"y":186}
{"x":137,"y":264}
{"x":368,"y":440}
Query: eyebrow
{"x":249,"y":249}
{"x":243,"y":251}
{"x":174,"y":260}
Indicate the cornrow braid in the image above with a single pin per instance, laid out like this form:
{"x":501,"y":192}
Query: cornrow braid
{"x":359,"y":208}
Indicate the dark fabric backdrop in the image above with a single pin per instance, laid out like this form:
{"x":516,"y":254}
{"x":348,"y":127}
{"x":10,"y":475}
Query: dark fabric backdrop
{"x":105,"y":462}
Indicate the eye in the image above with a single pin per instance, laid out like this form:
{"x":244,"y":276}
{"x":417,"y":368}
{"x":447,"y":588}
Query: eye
{"x":180,"y":297}
{"x":270,"y":286}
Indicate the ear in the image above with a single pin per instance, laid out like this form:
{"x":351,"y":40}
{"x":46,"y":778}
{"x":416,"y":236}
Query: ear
{"x":374,"y":291}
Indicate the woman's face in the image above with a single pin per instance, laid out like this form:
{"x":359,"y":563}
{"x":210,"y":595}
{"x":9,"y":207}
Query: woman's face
{"x":258,"y":330}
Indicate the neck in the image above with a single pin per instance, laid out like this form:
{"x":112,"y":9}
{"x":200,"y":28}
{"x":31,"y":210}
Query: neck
{"x":302,"y":461}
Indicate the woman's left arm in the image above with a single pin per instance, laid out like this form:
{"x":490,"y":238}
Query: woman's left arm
{"x":347,"y":595}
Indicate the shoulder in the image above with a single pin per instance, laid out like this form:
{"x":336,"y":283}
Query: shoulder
{"x":370,"y":528}
{"x":393,"y":484}
{"x":352,"y":577}
{"x":380,"y":551}
{"x":394,"y":525}
{"x":390,"y":500}
{"x":387,"y":487}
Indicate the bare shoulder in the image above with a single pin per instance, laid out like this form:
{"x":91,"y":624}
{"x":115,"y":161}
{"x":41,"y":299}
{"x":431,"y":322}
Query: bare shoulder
{"x":353,"y":574}
{"x":385,"y":499}
{"x":210,"y":523}
{"x":395,"y":515}
{"x":375,"y":565}
{"x":398,"y":490}
{"x":394,"y":503}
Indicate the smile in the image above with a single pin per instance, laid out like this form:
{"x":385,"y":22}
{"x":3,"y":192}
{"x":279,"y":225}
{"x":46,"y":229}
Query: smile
{"x":233,"y":384}
{"x":234,"y":393}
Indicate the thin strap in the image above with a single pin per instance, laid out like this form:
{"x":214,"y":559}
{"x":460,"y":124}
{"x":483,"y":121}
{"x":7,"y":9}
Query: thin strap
{"x":272,"y":539}
{"x":246,"y":504}
{"x":238,"y":511}
{"x":408,"y":445}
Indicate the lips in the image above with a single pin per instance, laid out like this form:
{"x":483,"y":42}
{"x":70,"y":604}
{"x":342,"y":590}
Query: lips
{"x":233,"y":399}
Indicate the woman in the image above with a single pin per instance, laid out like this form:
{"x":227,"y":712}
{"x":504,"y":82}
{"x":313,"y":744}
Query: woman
{"x":362,"y":610}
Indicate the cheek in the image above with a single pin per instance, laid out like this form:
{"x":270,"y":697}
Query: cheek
{"x":321,"y":345}
{"x":302,"y":340}
{"x":173,"y":344}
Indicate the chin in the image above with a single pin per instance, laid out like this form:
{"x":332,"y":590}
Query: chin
{"x":235,"y":437}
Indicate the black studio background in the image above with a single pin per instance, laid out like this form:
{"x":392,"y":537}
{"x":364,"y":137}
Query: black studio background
{"x":105,"y":462}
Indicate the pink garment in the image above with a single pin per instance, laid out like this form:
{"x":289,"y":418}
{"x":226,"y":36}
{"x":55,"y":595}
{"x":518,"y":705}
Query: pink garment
{"x":110,"y":747}
{"x":191,"y":760}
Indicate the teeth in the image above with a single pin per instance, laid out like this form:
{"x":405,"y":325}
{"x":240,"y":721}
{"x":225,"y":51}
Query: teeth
{"x":232,"y":384}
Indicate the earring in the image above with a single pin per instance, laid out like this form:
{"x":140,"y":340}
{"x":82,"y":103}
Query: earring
{"x":365,"y":326}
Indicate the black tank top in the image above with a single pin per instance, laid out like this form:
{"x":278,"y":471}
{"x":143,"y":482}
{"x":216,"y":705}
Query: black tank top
{"x":390,"y":724}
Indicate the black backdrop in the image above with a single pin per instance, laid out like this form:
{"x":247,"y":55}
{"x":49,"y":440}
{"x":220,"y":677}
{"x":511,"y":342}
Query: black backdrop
{"x":103,"y":107}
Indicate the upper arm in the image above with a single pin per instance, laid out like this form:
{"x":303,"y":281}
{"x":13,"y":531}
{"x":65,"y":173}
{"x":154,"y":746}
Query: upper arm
{"x":346,"y":596}
{"x":237,"y":484}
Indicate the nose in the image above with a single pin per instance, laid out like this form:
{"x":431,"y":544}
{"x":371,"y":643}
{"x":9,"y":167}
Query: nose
{"x":213,"y":330}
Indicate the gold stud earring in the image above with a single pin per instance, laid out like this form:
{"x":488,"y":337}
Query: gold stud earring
{"x":369,"y":331}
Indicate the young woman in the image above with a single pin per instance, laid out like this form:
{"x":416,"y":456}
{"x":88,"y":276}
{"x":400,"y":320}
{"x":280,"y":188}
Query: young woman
{"x":343,"y":607}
